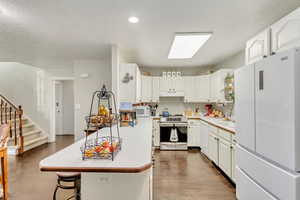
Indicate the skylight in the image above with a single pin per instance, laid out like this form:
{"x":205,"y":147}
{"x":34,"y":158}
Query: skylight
{"x":186,"y":45}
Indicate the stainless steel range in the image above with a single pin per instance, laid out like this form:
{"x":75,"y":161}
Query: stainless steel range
{"x":173,"y":133}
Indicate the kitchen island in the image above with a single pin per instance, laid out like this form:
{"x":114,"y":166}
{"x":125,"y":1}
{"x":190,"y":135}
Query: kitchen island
{"x":106,"y":179}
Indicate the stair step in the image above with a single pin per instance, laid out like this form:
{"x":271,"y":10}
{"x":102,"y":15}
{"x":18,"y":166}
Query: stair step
{"x":35,"y":142}
{"x":25,"y":127}
{"x":29,"y":135}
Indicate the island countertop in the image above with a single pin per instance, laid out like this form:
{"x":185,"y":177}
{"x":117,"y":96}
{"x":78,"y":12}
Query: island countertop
{"x":135,"y":156}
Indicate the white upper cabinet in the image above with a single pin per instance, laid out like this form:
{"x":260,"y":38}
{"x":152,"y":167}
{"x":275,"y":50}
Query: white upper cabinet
{"x":286,"y":32}
{"x":170,"y":86}
{"x":197,"y":88}
{"x":217,"y":85}
{"x":258,"y":47}
{"x":129,"y":83}
{"x":189,"y":88}
{"x":203,"y":88}
{"x":155,"y":89}
{"x":146,"y":88}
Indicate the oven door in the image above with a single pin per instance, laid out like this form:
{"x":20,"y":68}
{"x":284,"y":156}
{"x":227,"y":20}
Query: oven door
{"x":173,"y":137}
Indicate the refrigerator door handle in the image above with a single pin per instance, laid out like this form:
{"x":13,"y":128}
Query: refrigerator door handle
{"x":261,"y":80}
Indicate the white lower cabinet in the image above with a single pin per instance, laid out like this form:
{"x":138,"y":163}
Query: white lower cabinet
{"x":221,"y":150}
{"x":225,"y":156}
{"x":233,"y":162}
{"x":204,"y":138}
{"x":213,"y":148}
{"x":193,"y":137}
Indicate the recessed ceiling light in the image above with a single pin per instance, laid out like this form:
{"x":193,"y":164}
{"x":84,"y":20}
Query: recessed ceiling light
{"x":133,"y":20}
{"x":186,"y":45}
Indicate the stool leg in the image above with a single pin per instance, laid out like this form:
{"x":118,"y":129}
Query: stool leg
{"x":54,"y":194}
{"x":77,"y":189}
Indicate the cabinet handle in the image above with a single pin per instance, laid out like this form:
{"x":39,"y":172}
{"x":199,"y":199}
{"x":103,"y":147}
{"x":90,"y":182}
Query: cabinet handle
{"x":261,"y":80}
{"x":273,"y":53}
{"x":265,"y":56}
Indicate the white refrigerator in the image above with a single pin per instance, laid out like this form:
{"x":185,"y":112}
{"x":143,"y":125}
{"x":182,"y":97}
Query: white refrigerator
{"x":268,"y":128}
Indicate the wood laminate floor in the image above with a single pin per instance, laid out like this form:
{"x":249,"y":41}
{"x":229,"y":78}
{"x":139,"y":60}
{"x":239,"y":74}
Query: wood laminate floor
{"x":178,"y":175}
{"x":186,"y":175}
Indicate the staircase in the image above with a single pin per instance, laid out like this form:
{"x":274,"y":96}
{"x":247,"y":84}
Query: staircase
{"x":24,"y":134}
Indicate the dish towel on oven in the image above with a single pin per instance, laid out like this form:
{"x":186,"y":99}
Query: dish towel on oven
{"x":174,"y":136}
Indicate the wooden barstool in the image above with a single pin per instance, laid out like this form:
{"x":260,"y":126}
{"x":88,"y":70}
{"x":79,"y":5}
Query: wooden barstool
{"x":68,"y":177}
{"x":4,"y":133}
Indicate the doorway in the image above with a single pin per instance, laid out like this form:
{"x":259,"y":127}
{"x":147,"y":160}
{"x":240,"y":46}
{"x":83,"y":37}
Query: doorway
{"x":63,"y":108}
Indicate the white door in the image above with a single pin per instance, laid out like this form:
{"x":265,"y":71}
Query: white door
{"x":286,"y":32}
{"x":213,"y":148}
{"x":276,"y":112}
{"x":244,"y":106}
{"x":258,"y":47}
{"x":58,"y":108}
{"x":146,"y":89}
{"x":155,"y":89}
{"x":204,"y":138}
{"x":225,"y":156}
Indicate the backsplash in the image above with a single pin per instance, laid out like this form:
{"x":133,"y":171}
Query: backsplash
{"x":176,"y":105}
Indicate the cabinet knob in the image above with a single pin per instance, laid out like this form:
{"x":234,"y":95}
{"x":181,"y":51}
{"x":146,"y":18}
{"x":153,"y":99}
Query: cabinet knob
{"x":273,"y":53}
{"x":265,"y":56}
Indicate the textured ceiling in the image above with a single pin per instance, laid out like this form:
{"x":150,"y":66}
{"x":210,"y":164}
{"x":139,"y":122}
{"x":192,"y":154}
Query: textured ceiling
{"x":78,"y":29}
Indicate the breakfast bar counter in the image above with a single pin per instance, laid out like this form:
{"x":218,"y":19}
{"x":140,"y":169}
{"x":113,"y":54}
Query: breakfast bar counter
{"x":100,"y":176}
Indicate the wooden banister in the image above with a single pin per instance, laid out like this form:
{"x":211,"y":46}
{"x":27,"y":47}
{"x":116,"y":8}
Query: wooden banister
{"x":12,"y":115}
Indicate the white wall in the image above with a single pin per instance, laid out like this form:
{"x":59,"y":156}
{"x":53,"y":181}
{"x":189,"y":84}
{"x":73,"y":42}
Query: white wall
{"x":27,"y":86}
{"x":233,"y":62}
{"x":99,"y":73}
{"x":68,"y":107}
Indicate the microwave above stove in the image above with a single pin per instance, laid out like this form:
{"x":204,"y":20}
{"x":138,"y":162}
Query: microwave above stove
{"x":142,"y":111}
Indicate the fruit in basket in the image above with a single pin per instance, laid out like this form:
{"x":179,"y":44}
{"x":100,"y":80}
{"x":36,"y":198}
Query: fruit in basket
{"x":103,"y":111}
{"x":99,"y":149}
{"x":89,"y":153}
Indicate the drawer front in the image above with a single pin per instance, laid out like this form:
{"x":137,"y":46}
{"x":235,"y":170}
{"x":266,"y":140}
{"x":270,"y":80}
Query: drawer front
{"x":264,"y":173}
{"x":247,"y":189}
{"x":225,"y":135}
{"x":213,"y":129}
{"x":194,"y":122}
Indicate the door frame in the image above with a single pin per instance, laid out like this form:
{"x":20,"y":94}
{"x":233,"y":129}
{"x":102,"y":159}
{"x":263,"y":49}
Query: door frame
{"x":52,"y":136}
{"x":59,"y":85}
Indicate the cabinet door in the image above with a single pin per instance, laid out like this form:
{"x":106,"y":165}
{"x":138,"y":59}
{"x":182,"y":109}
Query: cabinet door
{"x":258,"y":47}
{"x":194,"y":136}
{"x":146,"y":89}
{"x":286,"y":32}
{"x":129,"y":90}
{"x":203,"y":88}
{"x":213,"y":148}
{"x":155,"y":89}
{"x":233,"y":162}
{"x":179,"y":84}
{"x":164,"y":85}
{"x":213,"y":87}
{"x":225,"y":156}
{"x":204,"y":138}
{"x":189,"y":86}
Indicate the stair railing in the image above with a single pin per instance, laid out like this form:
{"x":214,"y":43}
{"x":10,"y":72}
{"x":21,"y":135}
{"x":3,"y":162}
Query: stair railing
{"x":12,"y":115}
